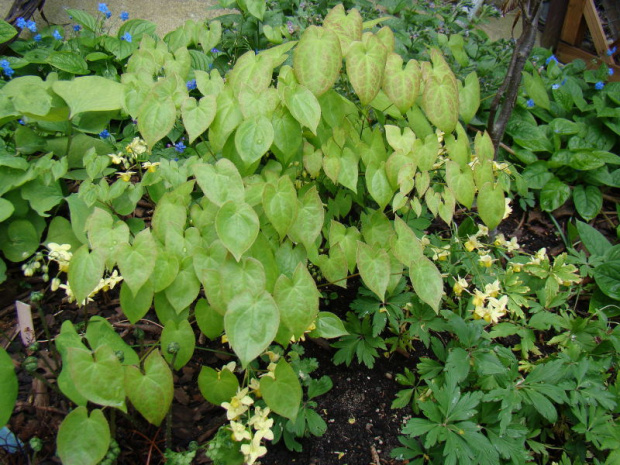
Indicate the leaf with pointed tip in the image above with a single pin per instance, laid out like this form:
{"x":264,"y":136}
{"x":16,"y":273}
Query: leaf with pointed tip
{"x":85,"y":271}
{"x":378,"y":184}
{"x":220,"y":182}
{"x":317,"y":59}
{"x":135,"y":306}
{"x":348,"y":27}
{"x":237,"y":226}
{"x":83,"y":440}
{"x":185,"y":287}
{"x":280,"y":204}
{"x":427,"y":282}
{"x":150,"y":393}
{"x":253,"y":138}
{"x":491,"y":204}
{"x":406,"y":246}
{"x":374,"y":266}
{"x":100,"y":332}
{"x":365,"y":66}
{"x":210,"y":322}
{"x":282,"y":393}
{"x":402,"y":86}
{"x":183,"y":335}
{"x":100,"y":380}
{"x":440,"y":102}
{"x":297,"y":299}
{"x":197,"y":117}
{"x":137,"y":262}
{"x":251,"y":70}
{"x":461,"y":182}
{"x":310,"y":218}
{"x":217,"y":386}
{"x":8,"y":387}
{"x":328,"y":326}
{"x":251,"y":323}
{"x":469,"y":97}
{"x":304,"y":106}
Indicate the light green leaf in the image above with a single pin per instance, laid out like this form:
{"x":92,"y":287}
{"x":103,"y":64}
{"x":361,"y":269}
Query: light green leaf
{"x":461,"y":182}
{"x":185,"y":287}
{"x":83,"y":440}
{"x":210,"y":322}
{"x":237,"y":226}
{"x":402,"y":86}
{"x":137,"y":262}
{"x":8,"y":387}
{"x":156,"y":118}
{"x":90,"y":93}
{"x":69,"y":62}
{"x":22,"y":240}
{"x":427,"y":282}
{"x":136,"y":306}
{"x":469,"y":97}
{"x":183,"y":335}
{"x":406,"y":246}
{"x":378,"y":184}
{"x":282,"y":394}
{"x":251,"y":323}
{"x":298,"y":300}
{"x":220,"y":182}
{"x":304,"y":106}
{"x":491,"y":204}
{"x":365,"y":61}
{"x":280,"y":204}
{"x":317,"y":59}
{"x":165,"y":270}
{"x":310,"y":218}
{"x":251,"y":70}
{"x":100,"y":332}
{"x":374,"y":267}
{"x":100,"y":380}
{"x":197,"y":117}
{"x":328,"y":326}
{"x":348,"y":27}
{"x":85,"y":271}
{"x":253,"y":138}
{"x":217,"y":386}
{"x":150,"y":393}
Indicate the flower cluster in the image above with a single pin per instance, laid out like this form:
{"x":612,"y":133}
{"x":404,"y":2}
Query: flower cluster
{"x":130,"y":156}
{"x":6,"y":68}
{"x":105,"y":284}
{"x":103,"y":8}
{"x":23,"y":24}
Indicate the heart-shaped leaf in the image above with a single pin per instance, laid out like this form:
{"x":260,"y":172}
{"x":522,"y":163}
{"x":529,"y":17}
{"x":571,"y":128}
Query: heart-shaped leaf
{"x":374,"y":266}
{"x":182,"y":334}
{"x":197,"y":117}
{"x":83,"y":440}
{"x":317,"y":59}
{"x":297,"y":299}
{"x":282,"y":393}
{"x":365,"y":66}
{"x":217,"y":386}
{"x":237,"y":226}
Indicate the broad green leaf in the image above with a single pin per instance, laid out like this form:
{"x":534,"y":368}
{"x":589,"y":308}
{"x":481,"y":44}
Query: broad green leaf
{"x":185,"y":287}
{"x":156,"y":118}
{"x":491,"y":204}
{"x":406,"y":246}
{"x":535,"y":88}
{"x":90,"y":93}
{"x":304,"y":106}
{"x":298,"y":300}
{"x":100,"y":380}
{"x":328,"y":326}
{"x":21,"y":240}
{"x":607,"y":277}
{"x":255,"y":104}
{"x":165,"y":270}
{"x":287,"y":136}
{"x":588,"y":201}
{"x":83,"y":440}
{"x":251,"y":70}
{"x":457,"y":364}
{"x":317,"y":59}
{"x":334,"y":266}
{"x":427,"y":282}
{"x":7,"y":32}
{"x":554,"y":194}
{"x":280,"y":204}
{"x":283,"y":393}
{"x":197,"y":117}
{"x":100,"y":332}
{"x":349,"y":169}
{"x":593,"y":240}
{"x":85,"y":271}
{"x":8,"y":387}
{"x":253,"y":138}
{"x":461,"y":182}
{"x":86,"y":20}
{"x":402,"y":86}
{"x":137,"y":262}
{"x":104,"y":235}
{"x":170,"y":214}
{"x":378,"y":184}
{"x":235,"y":277}
{"x":220,"y":182}
{"x":135,"y":306}
{"x":227,"y":118}
{"x":374,"y":267}
{"x":182,"y":334}
{"x":217,"y":386}
{"x":348,"y":27}
{"x":150,"y":393}
{"x":440,"y":99}
{"x":365,"y":61}
{"x":469,"y":97}
{"x":210,"y":322}
{"x":237,"y":226}
{"x":69,"y":62}
{"x":310,"y":218}
{"x":251,"y":323}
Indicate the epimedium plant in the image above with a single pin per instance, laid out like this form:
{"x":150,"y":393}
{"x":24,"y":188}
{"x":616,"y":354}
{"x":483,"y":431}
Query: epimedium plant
{"x":288,"y":169}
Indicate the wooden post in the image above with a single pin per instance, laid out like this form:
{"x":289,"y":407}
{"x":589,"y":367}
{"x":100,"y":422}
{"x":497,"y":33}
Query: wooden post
{"x":554,"y":23}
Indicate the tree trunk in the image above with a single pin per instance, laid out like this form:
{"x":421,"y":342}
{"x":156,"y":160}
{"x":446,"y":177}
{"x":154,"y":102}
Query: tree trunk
{"x":506,"y":96}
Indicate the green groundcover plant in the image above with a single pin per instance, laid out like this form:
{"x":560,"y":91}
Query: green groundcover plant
{"x":265,"y":170}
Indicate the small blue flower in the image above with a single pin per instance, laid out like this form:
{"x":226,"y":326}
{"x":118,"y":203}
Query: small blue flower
{"x":104,"y":134}
{"x":21,"y":23}
{"x":555,"y":86}
{"x":37,"y":38}
{"x":180,"y":147}
{"x":57,"y":35}
{"x":530,"y":103}
{"x":5,"y":64}
{"x":550,"y":59}
{"x":77,"y":28}
{"x":215,"y":50}
{"x":6,"y":68}
{"x":22,"y":122}
{"x":32,"y":26}
{"x":599,"y":85}
{"x":191,"y":85}
{"x":611,"y":51}
{"x":103,"y":8}
{"x":124,"y":16}
{"x":610,"y":71}
{"x":126,"y":37}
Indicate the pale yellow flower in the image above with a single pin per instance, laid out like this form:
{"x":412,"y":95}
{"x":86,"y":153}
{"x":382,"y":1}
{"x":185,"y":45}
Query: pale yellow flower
{"x":150,"y":167}
{"x":239,"y":432}
{"x":486,"y":260}
{"x":238,"y":405}
{"x":538,"y":257}
{"x":473,"y":243}
{"x":136,"y":147}
{"x":507,"y":209}
{"x":60,"y":253}
{"x":126,"y":175}
{"x":479,"y":298}
{"x":253,"y":450}
{"x":118,"y":158}
{"x":459,"y":286}
{"x":261,"y":423}
{"x":492,"y":290}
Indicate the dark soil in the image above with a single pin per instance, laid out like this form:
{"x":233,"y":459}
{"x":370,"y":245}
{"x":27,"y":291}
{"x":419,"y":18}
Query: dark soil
{"x":362,"y":428}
